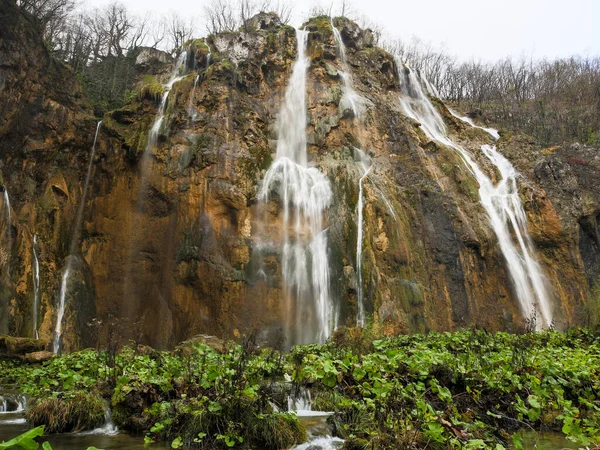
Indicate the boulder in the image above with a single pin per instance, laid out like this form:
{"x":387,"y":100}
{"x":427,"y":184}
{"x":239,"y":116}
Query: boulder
{"x":37,"y":357}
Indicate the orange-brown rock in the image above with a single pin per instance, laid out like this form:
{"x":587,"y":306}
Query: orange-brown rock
{"x":175,"y":255}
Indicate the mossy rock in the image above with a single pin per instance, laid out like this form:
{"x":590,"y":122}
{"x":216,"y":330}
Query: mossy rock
{"x":20,"y":346}
{"x":150,"y":88}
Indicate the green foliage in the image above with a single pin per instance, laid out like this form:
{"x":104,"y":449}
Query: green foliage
{"x":469,"y":389}
{"x":25,"y":441}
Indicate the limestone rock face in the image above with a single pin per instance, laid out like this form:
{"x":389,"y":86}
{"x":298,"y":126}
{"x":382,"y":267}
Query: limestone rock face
{"x":148,"y":55}
{"x":170,"y":245}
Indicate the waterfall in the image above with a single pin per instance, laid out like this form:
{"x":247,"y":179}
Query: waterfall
{"x":86,"y":185}
{"x":350,"y":98}
{"x":5,"y":257}
{"x":7,"y":230}
{"x":359,"y":243}
{"x":209,"y":56}
{"x":318,"y":432}
{"x":301,"y":402}
{"x":490,"y":131}
{"x":305,"y":196}
{"x":12,"y":402}
{"x":501,"y":203}
{"x":61,"y":307}
{"x":7,"y":204}
{"x":192,"y":114}
{"x":36,"y":287}
{"x":107,"y":429}
{"x":160,"y":115}
{"x":56,"y":341}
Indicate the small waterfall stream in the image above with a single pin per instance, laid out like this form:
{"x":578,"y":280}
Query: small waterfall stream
{"x":359,"y":245}
{"x":12,"y":408}
{"x":351,"y":99}
{"x":6,"y":257}
{"x":501,"y":203}
{"x":107,"y":429}
{"x":36,"y":287}
{"x":305,"y":196}
{"x":160,"y":115}
{"x":56,"y":341}
{"x":317,"y":430}
{"x":192,"y":114}
{"x":7,"y":203}
{"x":490,"y":131}
{"x":7,"y":228}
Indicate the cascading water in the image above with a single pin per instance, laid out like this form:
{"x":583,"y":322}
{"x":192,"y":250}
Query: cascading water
{"x":137,"y":239}
{"x":191,"y":111}
{"x":61,"y":307}
{"x":160,"y":115}
{"x":56,"y":341}
{"x":7,"y":203}
{"x":351,"y":99}
{"x":359,"y":243}
{"x":208,"y":56}
{"x":7,"y":225}
{"x":305,"y":196}
{"x":108,"y":429}
{"x":490,"y":131}
{"x":317,"y":430}
{"x":36,"y":287}
{"x":501,"y":203}
{"x":11,"y":402}
{"x":78,"y":223}
{"x":12,"y":408}
{"x":192,"y":114}
{"x":300,"y":402}
{"x":5,"y":256}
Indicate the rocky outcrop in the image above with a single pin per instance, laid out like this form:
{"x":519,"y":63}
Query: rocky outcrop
{"x":177,"y":255}
{"x":11,"y":347}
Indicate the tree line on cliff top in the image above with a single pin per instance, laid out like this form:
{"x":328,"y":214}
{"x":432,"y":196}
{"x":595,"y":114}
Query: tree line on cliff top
{"x":554,"y":101}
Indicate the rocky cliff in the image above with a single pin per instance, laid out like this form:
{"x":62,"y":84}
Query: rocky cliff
{"x":170,"y":243}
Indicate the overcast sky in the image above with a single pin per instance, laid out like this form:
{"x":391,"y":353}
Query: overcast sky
{"x":480,"y":29}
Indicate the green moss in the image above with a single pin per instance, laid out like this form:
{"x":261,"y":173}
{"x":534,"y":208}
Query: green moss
{"x":226,"y":64}
{"x":136,"y":136}
{"x":150,"y":88}
{"x":198,"y":43}
{"x":320,"y":24}
{"x":592,"y":307}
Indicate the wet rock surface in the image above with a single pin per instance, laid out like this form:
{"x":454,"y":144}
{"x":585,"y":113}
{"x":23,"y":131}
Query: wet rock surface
{"x":184,"y":261}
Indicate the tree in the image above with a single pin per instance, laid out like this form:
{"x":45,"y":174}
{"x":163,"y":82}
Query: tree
{"x":50,"y":15}
{"x":178,"y":30}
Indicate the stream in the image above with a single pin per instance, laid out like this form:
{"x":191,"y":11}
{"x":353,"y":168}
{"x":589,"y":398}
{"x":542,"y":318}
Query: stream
{"x":107,"y":437}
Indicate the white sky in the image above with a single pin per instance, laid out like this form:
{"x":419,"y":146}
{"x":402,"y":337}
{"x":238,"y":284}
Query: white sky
{"x":480,"y":29}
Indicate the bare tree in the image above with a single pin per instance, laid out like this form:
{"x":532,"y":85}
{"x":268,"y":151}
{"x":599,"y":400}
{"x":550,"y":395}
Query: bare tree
{"x":178,"y":30}
{"x":220,"y":16}
{"x":283,"y":10}
{"x":50,"y":15}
